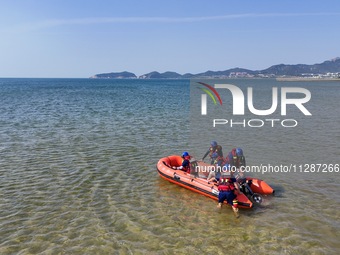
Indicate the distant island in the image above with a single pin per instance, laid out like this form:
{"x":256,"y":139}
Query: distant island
{"x":121,"y":75}
{"x":329,"y":69}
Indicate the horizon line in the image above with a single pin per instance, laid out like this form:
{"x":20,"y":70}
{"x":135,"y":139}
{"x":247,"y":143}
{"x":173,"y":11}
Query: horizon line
{"x":133,"y":72}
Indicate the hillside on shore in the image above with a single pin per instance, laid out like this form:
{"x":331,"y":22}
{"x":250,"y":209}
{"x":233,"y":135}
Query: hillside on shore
{"x":326,"y":69}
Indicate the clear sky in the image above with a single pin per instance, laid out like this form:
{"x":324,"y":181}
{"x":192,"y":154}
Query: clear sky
{"x":80,"y":38}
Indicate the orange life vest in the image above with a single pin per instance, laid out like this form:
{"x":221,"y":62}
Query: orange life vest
{"x":226,"y":185}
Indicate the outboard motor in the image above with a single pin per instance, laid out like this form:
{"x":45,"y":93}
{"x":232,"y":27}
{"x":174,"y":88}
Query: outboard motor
{"x":245,"y":186}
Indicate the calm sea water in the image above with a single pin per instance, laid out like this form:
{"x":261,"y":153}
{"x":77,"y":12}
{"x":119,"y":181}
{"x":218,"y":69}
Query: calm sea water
{"x":78,"y":172}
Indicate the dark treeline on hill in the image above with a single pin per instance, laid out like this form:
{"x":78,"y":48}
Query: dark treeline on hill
{"x":120,"y":75}
{"x":331,"y":67}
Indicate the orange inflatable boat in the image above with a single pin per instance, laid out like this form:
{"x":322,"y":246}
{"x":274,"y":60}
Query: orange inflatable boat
{"x":252,"y":188}
{"x":194,"y":181}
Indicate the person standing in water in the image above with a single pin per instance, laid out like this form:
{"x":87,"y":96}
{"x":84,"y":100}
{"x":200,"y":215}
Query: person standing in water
{"x":227,"y":189}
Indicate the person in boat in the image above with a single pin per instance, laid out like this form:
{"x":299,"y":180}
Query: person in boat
{"x":231,"y":158}
{"x":235,"y":158}
{"x":241,"y":160}
{"x":216,"y":156}
{"x":185,"y":163}
{"x":215,"y":153}
{"x":227,"y":188}
{"x":237,"y":163}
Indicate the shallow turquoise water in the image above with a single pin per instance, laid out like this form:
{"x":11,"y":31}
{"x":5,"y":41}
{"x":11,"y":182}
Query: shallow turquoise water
{"x":78,"y":174}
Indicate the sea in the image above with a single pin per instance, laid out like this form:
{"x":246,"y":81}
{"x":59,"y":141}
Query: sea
{"x":78,"y":170}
